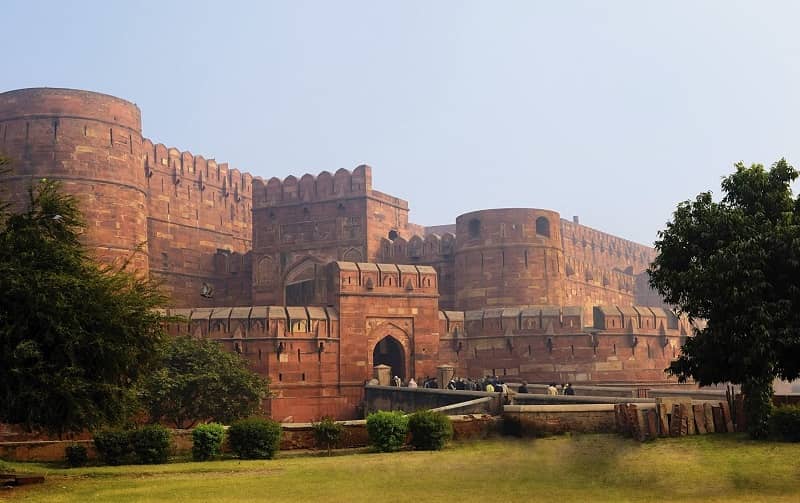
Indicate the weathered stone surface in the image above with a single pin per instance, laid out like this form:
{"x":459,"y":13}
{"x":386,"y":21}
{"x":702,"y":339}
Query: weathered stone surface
{"x":726,"y":417}
{"x":663,"y":421}
{"x":699,"y":419}
{"x":652,"y":424}
{"x":719,"y":421}
{"x":709,"y":418}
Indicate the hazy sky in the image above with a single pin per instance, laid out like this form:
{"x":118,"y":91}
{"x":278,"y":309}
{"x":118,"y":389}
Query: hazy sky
{"x":613,"y":111}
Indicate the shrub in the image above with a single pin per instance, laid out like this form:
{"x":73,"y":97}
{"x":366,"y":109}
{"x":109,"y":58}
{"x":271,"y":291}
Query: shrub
{"x":255,"y":438}
{"x":785,"y":423}
{"x":429,"y":430}
{"x":387,"y":430}
{"x":113,"y":446}
{"x":76,"y":455}
{"x":151,"y":444}
{"x":327,"y":433}
{"x":207,"y":441}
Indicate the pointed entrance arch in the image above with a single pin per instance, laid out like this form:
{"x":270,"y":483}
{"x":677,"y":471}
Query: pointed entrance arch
{"x":389,"y":351}
{"x":300,"y":283}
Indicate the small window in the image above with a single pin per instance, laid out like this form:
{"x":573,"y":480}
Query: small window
{"x":543,"y":226}
{"x":474,"y":228}
{"x":392,"y":235}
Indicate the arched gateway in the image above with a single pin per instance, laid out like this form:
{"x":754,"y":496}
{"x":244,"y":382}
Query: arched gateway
{"x":389,"y":351}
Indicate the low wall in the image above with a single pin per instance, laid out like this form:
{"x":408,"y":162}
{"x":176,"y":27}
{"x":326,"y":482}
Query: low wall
{"x":553,"y":419}
{"x":412,"y":399}
{"x":696,"y":394}
{"x":614,"y":391}
{"x":533,"y":399}
{"x":295,"y":436}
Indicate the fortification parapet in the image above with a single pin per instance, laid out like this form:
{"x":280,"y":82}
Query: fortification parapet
{"x":92,"y":143}
{"x":550,"y":343}
{"x":199,"y":226}
{"x":582,"y":243}
{"x":506,"y":257}
{"x":310,"y":188}
{"x":367,"y":278}
{"x":428,"y":249}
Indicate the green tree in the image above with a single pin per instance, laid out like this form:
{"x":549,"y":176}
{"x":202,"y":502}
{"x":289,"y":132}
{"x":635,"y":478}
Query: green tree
{"x":74,"y":335}
{"x":196,"y":380}
{"x":736,"y":264}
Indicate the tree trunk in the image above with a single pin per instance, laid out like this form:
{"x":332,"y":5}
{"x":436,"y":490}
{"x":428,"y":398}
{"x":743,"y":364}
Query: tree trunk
{"x":758,"y":405}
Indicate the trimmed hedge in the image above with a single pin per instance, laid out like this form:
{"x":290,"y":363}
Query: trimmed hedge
{"x":430,"y":430}
{"x":785,"y":423}
{"x":113,"y":446}
{"x":76,"y":455}
{"x":255,"y":438}
{"x":207,"y":441}
{"x":151,"y":444}
{"x":387,"y":430}
{"x":327,"y":433}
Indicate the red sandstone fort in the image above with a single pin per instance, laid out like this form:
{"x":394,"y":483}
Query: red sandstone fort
{"x":317,"y":279}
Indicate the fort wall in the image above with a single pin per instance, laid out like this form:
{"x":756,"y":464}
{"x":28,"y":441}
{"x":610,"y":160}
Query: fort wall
{"x":508,"y":257}
{"x":437,"y":251}
{"x":92,"y":143}
{"x":199,"y":226}
{"x":302,"y":224}
{"x":334,"y":276}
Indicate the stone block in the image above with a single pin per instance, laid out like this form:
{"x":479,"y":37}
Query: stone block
{"x":699,"y":419}
{"x":708,"y":416}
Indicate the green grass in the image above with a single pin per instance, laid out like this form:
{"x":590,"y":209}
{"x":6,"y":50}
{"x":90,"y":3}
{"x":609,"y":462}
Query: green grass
{"x":578,"y":468}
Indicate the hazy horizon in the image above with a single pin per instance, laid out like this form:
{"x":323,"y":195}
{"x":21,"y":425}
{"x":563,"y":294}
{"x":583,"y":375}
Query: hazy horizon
{"x":611,"y":111}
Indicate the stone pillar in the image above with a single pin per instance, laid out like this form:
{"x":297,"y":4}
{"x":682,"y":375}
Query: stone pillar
{"x":383,"y":373}
{"x":444,"y":374}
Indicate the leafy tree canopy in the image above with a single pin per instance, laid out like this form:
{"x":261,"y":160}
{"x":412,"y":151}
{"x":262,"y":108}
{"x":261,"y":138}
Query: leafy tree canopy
{"x":198,"y":379}
{"x":74,"y":336}
{"x":736,"y":264}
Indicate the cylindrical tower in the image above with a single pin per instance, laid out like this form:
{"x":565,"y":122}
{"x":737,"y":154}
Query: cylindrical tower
{"x":508,"y":257}
{"x":92,"y":143}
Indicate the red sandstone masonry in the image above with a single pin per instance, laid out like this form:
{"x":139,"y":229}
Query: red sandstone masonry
{"x":526,"y":280}
{"x":90,"y":141}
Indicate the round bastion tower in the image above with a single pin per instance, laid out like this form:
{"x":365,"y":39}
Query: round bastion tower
{"x":92,"y":143}
{"x":508,"y":257}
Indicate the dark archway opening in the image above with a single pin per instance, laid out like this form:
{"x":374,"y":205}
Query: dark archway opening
{"x":543,"y":227}
{"x":300,"y":293}
{"x":389,"y":352}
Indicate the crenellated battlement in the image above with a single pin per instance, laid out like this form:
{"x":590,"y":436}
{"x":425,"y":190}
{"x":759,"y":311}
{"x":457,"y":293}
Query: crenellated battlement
{"x":367,"y":278}
{"x":186,"y":168}
{"x":309,"y":188}
{"x":430,"y":248}
{"x":582,"y":242}
{"x":550,"y":320}
{"x":256,"y":322}
{"x":594,"y":274}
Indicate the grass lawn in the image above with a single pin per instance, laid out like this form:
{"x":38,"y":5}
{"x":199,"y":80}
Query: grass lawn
{"x":577,"y":468}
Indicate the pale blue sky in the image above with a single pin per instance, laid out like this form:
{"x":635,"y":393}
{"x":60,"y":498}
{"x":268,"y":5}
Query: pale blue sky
{"x":613,"y":111}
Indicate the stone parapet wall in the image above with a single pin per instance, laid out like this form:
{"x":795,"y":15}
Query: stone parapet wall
{"x":537,"y":420}
{"x":412,"y":399}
